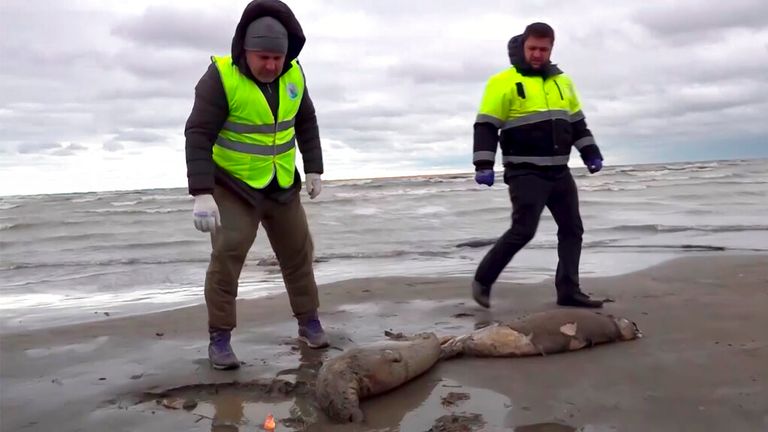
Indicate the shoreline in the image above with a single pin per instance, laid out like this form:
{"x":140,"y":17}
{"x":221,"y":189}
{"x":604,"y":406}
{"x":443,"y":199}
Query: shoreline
{"x":468,"y":172}
{"x":523,"y":271}
{"x":700,"y":366}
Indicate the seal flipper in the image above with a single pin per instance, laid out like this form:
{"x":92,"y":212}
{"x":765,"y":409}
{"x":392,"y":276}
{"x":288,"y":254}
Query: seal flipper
{"x":392,"y":356}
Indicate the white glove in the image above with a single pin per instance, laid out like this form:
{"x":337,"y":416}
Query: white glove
{"x":313,"y":185}
{"x":206,"y":213}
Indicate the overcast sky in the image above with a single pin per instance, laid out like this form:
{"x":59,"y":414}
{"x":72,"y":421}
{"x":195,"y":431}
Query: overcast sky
{"x":94,"y":94}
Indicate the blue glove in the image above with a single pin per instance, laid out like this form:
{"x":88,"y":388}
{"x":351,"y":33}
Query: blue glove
{"x":595,"y":165}
{"x":485,"y":177}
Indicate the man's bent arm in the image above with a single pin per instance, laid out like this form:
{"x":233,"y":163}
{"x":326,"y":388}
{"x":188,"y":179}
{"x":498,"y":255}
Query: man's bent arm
{"x":209,"y":112}
{"x":486,"y":139}
{"x":308,"y":136}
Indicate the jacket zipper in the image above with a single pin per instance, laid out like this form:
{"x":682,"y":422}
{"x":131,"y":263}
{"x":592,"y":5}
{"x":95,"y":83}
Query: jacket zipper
{"x":558,"y":89}
{"x":551,"y":120}
{"x":274,"y":135}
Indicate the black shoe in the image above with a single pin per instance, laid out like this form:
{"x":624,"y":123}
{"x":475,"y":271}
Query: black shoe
{"x":579,"y":300}
{"x":481,"y":294}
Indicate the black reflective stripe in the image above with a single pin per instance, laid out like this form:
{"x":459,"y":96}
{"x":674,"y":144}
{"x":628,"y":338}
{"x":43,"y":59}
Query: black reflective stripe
{"x":583,"y":142}
{"x":483,"y":156}
{"x":485,"y":118}
{"x":256,"y":149}
{"x":243,"y":128}
{"x":537,"y":117}
{"x":537,"y":160}
{"x":559,"y":91}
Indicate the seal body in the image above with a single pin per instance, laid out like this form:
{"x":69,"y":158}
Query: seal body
{"x":361,"y":372}
{"x":542,"y":333}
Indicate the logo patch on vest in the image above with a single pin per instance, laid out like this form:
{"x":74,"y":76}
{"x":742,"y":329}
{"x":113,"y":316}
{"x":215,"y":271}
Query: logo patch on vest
{"x":293,"y":92}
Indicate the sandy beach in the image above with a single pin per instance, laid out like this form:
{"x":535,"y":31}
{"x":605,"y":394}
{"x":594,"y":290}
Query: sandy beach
{"x":702,"y":364}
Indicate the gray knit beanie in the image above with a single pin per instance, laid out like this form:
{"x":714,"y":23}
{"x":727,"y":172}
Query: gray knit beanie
{"x":266,"y":34}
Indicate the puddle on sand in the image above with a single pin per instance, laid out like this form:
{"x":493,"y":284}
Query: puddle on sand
{"x":439,"y":402}
{"x":240,"y":407}
{"x":557,"y":427}
{"x":230,"y":413}
{"x":545,"y":427}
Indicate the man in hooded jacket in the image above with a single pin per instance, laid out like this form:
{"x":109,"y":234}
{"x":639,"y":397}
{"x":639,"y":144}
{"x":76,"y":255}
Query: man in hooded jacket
{"x":251,"y":110}
{"x":535,"y":107}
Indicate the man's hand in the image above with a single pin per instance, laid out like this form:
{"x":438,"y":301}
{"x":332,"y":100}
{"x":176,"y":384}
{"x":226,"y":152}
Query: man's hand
{"x":314,"y":185}
{"x":485,"y":177}
{"x":206,"y":213}
{"x":595,"y":165}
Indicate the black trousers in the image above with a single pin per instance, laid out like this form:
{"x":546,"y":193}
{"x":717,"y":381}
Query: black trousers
{"x":529,"y":194}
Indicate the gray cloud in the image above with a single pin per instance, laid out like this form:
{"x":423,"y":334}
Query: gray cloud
{"x":133,"y":139}
{"x":387,"y":78}
{"x":69,"y":150}
{"x":165,"y":27}
{"x":37,"y":147}
{"x":691,"y":17}
{"x":49,"y":148}
{"x":113,"y":146}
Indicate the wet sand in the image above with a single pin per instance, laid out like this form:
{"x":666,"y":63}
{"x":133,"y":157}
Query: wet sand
{"x":702,"y":364}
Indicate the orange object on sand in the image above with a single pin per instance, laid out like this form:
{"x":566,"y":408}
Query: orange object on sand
{"x":269,"y":423}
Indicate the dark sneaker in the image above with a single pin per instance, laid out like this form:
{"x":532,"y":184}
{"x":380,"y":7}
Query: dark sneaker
{"x":311,"y":332}
{"x":220,"y":351}
{"x":579,"y":300}
{"x":481,"y":294}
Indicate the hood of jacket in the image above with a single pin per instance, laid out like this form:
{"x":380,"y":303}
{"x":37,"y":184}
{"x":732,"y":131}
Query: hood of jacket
{"x":517,"y":59}
{"x":281,"y":12}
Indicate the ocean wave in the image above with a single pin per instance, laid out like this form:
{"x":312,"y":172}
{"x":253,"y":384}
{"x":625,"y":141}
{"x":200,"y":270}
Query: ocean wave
{"x":353,"y":182}
{"x":693,"y":167}
{"x":85,"y":199}
{"x":108,"y":262}
{"x":166,"y":198}
{"x":127,"y":211}
{"x":614,"y":187}
{"x":38,"y":225}
{"x":124,"y":203}
{"x":598,"y":244}
{"x":398,"y":192}
{"x":661,"y":228}
{"x":8,"y":206}
{"x":382,"y":254}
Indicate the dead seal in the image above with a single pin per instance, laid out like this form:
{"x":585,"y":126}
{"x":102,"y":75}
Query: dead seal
{"x":361,"y":372}
{"x":541,"y":333}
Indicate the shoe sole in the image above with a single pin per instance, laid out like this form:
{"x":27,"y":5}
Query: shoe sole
{"x":306,"y":341}
{"x":224,"y":367}
{"x":580,"y":305}
{"x":482,"y":303}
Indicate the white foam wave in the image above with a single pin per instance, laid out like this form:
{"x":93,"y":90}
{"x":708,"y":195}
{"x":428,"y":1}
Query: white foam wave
{"x":85,"y":199}
{"x":166,"y":198}
{"x":131,"y":211}
{"x":614,"y":187}
{"x":366,"y":211}
{"x":430,"y":210}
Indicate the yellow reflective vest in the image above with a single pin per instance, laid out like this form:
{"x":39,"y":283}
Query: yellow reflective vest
{"x":253,"y":145}
{"x":540,"y":118}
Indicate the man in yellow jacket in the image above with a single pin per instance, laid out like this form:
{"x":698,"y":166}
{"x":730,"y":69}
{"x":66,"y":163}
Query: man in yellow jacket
{"x":251,"y":111}
{"x":532,"y":110}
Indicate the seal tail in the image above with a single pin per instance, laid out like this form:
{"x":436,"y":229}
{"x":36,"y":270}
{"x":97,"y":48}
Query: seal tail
{"x":452,"y":346}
